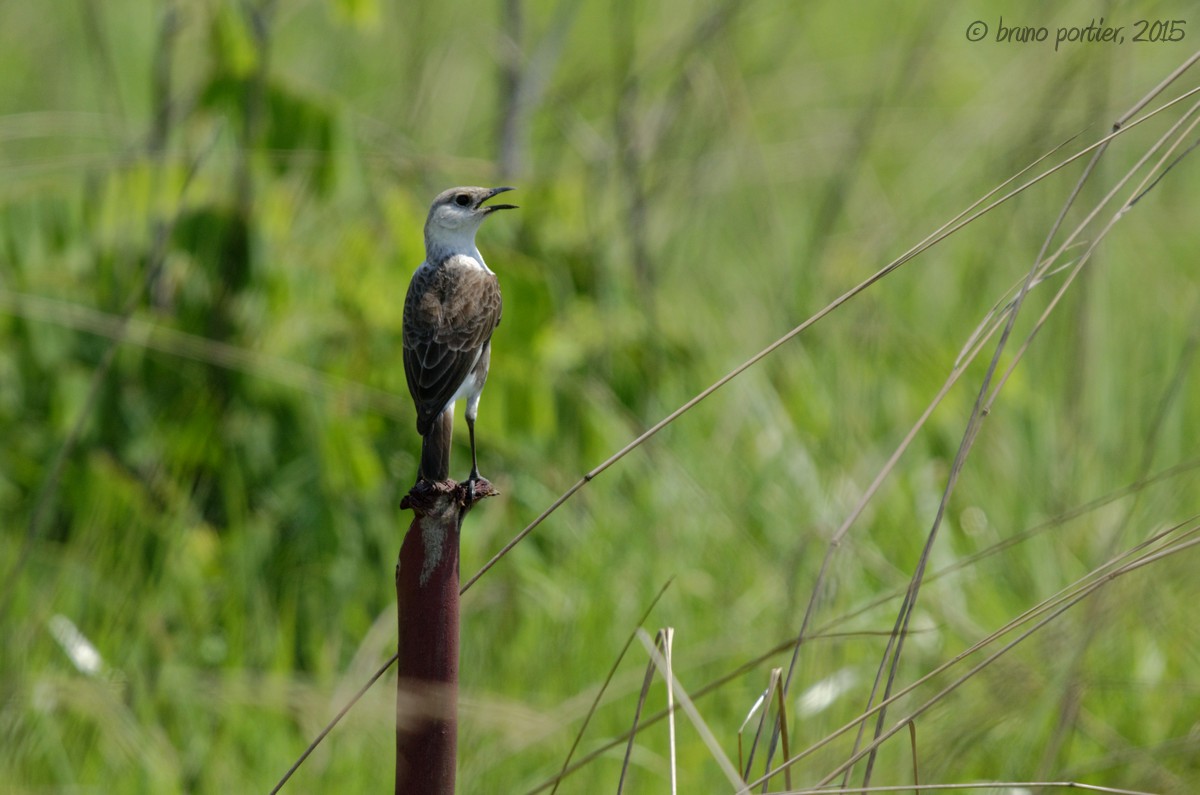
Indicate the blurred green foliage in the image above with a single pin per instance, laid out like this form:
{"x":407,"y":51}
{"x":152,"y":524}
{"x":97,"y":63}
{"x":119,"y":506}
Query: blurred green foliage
{"x":209,"y":212}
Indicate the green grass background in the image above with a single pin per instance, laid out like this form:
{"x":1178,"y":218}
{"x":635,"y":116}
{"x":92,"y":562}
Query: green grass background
{"x":215,"y":508}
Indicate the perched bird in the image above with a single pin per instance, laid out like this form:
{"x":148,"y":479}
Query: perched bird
{"x":452,"y":308}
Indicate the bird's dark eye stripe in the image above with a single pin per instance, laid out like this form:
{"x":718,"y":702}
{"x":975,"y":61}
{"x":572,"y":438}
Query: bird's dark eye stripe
{"x":462,"y":200}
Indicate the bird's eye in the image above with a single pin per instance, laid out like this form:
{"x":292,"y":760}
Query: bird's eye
{"x":462,"y":200}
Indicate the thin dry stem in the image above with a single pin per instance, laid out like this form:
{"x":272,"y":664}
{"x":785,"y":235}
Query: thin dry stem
{"x":647,"y":679}
{"x":1054,"y":606}
{"x":689,"y":708}
{"x":612,"y":671}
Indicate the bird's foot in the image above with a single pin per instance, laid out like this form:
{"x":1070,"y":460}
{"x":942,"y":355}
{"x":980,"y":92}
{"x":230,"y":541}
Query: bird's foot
{"x":477,"y":488}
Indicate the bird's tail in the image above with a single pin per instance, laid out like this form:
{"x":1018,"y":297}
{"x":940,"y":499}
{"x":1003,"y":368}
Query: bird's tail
{"x":435,"y":448}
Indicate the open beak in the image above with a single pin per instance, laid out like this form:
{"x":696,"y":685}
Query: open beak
{"x":491,"y":207}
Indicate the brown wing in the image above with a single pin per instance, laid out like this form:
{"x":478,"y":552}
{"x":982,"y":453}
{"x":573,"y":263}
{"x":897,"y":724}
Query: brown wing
{"x":449,"y":315}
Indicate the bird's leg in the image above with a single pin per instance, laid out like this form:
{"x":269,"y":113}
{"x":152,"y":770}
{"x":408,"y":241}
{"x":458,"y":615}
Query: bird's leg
{"x":474,"y":461}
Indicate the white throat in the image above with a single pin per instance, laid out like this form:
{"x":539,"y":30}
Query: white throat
{"x":442,"y":243}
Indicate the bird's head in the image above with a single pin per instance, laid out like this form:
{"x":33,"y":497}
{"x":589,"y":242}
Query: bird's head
{"x":456,"y":213}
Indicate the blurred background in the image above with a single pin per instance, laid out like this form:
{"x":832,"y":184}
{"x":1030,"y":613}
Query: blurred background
{"x":209,"y":213}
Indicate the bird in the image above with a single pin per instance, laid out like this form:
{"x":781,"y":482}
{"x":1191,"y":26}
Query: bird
{"x":452,"y":308}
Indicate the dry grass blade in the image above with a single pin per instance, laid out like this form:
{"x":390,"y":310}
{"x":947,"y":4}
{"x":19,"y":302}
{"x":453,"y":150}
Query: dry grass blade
{"x":763,"y":701}
{"x":612,"y":671}
{"x":637,"y":714}
{"x":665,"y":642}
{"x":1044,"y":613}
{"x":758,"y":702}
{"x":689,"y":708}
{"x":912,"y":738}
{"x":1082,"y":260}
{"x":1059,"y":609}
{"x":783,"y":725}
